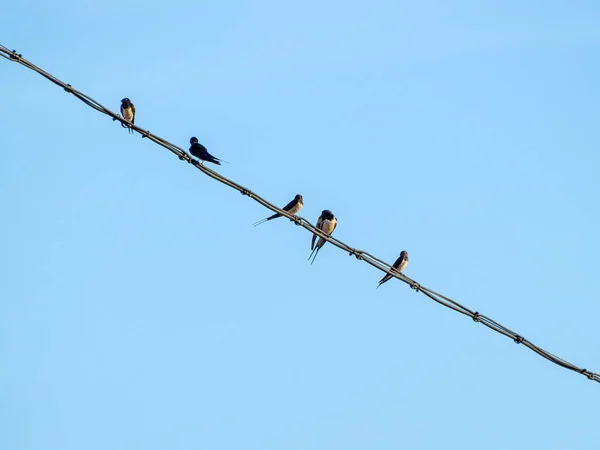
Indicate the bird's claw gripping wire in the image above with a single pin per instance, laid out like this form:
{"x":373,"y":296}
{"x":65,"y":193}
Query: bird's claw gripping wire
{"x":16,"y":56}
{"x":244,"y":191}
{"x":518,"y":339}
{"x":145,"y":134}
{"x":68,"y":88}
{"x":476,"y":316}
{"x":297,"y":220}
{"x":416,"y":286}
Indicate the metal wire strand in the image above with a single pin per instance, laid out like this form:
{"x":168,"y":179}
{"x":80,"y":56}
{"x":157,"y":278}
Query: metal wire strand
{"x":302,"y":222}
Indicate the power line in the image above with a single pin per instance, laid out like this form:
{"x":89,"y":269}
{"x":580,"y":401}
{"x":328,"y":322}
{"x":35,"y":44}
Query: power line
{"x":300,"y":221}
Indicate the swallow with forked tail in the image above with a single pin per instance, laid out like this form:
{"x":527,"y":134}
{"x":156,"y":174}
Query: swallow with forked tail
{"x":292,"y":207}
{"x":326,"y":223}
{"x":199,"y":151}
{"x":398,"y":266}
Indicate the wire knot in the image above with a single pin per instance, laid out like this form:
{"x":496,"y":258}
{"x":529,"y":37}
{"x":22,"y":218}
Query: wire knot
{"x":476,"y":316}
{"x":357,"y":253}
{"x":518,"y":339}
{"x":16,"y":56}
{"x":416,"y":286}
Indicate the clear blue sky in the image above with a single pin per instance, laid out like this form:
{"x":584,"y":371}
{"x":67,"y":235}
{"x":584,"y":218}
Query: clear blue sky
{"x":141,"y":310}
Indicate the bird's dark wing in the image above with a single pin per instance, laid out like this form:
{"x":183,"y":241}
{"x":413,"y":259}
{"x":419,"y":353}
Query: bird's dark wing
{"x":398,"y":262}
{"x":387,"y":277}
{"x":123,"y":115}
{"x":314,"y":237}
{"x":287,"y":207}
{"x":211,"y":158}
{"x":198,"y":150}
{"x":133,"y":112}
{"x":290,"y":205}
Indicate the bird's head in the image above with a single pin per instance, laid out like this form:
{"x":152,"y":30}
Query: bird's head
{"x":404,"y":254}
{"x":194,"y":140}
{"x":325,"y":213}
{"x":126,"y":101}
{"x":298,"y":198}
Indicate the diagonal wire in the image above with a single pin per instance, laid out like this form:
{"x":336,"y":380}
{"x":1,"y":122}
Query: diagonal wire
{"x":302,"y":222}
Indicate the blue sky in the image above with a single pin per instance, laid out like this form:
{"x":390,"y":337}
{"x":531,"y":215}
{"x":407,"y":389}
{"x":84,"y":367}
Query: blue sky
{"x":139,"y":307}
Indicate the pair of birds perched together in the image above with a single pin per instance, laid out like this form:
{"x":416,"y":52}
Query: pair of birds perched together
{"x":198,"y":150}
{"x":327,"y":223}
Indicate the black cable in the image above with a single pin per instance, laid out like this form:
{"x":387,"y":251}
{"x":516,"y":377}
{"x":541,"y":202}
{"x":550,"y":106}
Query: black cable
{"x":300,"y":221}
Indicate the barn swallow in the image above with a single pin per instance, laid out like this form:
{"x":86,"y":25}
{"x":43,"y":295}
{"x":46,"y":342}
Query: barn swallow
{"x":399,"y":266}
{"x":325,"y":212}
{"x":326,"y":223}
{"x":292,"y":207}
{"x":128,"y":113}
{"x":199,"y":151}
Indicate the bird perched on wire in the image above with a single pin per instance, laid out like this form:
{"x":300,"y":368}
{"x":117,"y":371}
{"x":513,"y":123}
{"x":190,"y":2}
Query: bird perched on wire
{"x":326,"y":223}
{"x":128,"y":113}
{"x":292,"y":207}
{"x":199,"y":151}
{"x":398,"y":266}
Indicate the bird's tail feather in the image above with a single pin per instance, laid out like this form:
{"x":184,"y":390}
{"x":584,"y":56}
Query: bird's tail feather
{"x":274,"y":216}
{"x":316,"y":252}
{"x":385,"y":279}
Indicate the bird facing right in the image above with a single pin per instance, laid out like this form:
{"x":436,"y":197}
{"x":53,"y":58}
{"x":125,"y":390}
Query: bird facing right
{"x":199,"y":151}
{"x":398,"y":266}
{"x":292,"y":207}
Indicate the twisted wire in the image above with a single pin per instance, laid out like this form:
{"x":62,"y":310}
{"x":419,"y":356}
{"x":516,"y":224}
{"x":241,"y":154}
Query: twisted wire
{"x":361,"y":255}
